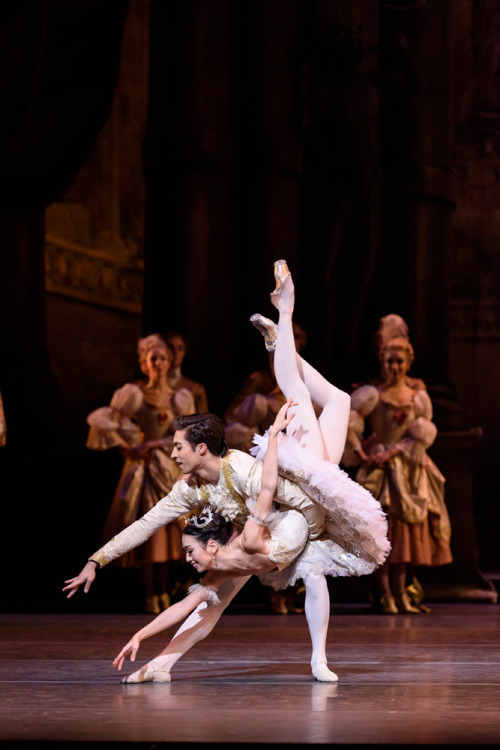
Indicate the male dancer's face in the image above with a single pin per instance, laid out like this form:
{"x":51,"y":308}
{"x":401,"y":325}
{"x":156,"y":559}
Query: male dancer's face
{"x":187,"y":458}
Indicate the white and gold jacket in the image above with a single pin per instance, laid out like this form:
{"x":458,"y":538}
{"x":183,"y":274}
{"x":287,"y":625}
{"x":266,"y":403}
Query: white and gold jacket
{"x":239,"y":481}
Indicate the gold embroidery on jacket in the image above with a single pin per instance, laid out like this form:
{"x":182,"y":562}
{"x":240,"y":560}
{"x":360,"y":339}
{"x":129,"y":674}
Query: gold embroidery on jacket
{"x":228,"y":478}
{"x":100,"y":558}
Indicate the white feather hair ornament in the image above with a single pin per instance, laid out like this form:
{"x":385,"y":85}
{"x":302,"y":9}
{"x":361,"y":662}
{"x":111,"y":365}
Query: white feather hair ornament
{"x":205,"y":517}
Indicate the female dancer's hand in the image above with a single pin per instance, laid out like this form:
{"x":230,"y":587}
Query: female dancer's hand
{"x":132,"y":647}
{"x":380,"y":458}
{"x":282,"y":420}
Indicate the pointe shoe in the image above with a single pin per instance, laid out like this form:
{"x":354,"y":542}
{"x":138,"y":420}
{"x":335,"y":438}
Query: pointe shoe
{"x":151,"y":674}
{"x":416,"y":594}
{"x":405,"y":606}
{"x":152,"y":605}
{"x":139,"y":677}
{"x":283,"y":295}
{"x":320,"y":671}
{"x":267,"y":329}
{"x":388,"y":605}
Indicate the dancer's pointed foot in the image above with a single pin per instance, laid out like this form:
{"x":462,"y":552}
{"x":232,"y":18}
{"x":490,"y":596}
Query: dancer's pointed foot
{"x":283,"y":296}
{"x":320,"y":671}
{"x":405,"y":606}
{"x":267,"y":329}
{"x":165,"y":600}
{"x":152,"y":673}
{"x":152,"y":605}
{"x":388,"y":605}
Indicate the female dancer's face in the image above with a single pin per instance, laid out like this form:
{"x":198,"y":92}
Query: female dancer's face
{"x":395,"y":364}
{"x":177,"y":349}
{"x":196,"y":555}
{"x":157,"y":363}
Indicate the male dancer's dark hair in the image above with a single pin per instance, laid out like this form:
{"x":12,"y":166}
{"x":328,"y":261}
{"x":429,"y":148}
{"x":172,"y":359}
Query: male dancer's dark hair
{"x":204,"y":428}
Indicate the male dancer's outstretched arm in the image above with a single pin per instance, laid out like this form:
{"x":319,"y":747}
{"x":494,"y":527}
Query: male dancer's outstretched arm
{"x":178,"y":502}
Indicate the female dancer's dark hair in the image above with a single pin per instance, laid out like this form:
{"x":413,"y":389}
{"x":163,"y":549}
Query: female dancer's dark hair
{"x":204,"y":428}
{"x":217,"y":528}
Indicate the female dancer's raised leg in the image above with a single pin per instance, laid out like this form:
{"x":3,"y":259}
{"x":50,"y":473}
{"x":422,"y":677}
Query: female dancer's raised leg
{"x":327,"y":434}
{"x":308,"y":431}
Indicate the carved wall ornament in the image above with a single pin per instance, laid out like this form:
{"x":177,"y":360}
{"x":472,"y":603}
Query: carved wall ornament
{"x":94,"y":276}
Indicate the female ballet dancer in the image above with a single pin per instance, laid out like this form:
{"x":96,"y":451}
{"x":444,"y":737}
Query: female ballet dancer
{"x":268,"y":539}
{"x":354,"y":540}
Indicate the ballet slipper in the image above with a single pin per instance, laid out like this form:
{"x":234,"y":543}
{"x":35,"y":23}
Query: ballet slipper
{"x":267,"y":329}
{"x":278,"y":605}
{"x":405,"y":606}
{"x":152,"y":673}
{"x":320,"y":670}
{"x":283,"y":296}
{"x":165,"y":600}
{"x":152,"y":605}
{"x":388,"y":605}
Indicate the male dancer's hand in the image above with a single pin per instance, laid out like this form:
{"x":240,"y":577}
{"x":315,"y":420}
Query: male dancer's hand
{"x":86,"y":577}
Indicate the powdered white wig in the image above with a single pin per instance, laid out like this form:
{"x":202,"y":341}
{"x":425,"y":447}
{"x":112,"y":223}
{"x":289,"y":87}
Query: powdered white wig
{"x":393,"y":333}
{"x":393,"y":326}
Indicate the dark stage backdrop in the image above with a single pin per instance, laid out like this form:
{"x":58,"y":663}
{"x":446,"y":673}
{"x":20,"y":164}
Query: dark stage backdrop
{"x":158,"y":157}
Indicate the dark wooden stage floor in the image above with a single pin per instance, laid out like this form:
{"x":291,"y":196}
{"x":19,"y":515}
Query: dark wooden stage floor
{"x":421,"y":680}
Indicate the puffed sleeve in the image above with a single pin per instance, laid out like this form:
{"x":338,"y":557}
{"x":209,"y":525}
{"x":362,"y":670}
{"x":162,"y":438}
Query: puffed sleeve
{"x":423,"y":430}
{"x":252,"y":410}
{"x":181,"y":500}
{"x":183,"y":402}
{"x":111,"y":425}
{"x":363,"y":402}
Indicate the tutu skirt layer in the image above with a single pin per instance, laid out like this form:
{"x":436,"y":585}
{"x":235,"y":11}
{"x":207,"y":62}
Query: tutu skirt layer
{"x":354,"y":541}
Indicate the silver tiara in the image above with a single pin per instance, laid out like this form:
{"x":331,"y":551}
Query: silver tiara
{"x":203,"y":519}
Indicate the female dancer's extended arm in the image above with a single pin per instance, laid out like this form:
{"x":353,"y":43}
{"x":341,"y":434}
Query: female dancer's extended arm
{"x":269,"y":480}
{"x":171,"y":616}
{"x":255,"y":536}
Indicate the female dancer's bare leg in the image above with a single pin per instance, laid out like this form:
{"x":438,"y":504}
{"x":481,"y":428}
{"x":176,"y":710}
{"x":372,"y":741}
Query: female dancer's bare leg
{"x":309,"y":431}
{"x":194,"y":629}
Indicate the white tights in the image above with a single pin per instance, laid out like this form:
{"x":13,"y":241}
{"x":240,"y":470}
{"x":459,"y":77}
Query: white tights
{"x":197,"y":626}
{"x":324,"y":437}
{"x":317,"y":611}
{"x":201,"y":622}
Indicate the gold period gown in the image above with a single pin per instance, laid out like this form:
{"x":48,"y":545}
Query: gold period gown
{"x":142,"y":482}
{"x":409,"y":486}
